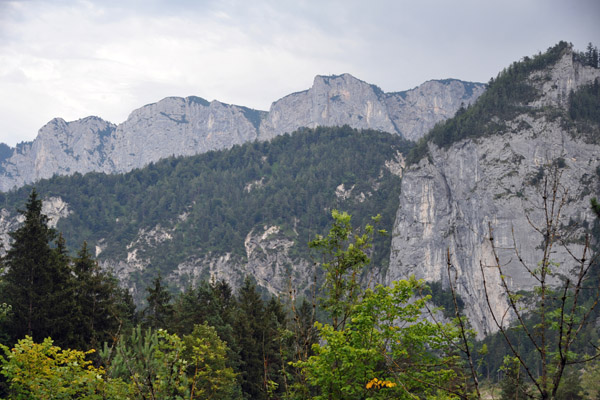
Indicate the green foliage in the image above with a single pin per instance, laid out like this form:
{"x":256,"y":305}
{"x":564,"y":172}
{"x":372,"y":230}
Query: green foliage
{"x":38,"y":280}
{"x":513,"y":385}
{"x":101,"y":307}
{"x":45,"y":371}
{"x":345,"y":259}
{"x":159,"y":365}
{"x":257,"y":334}
{"x":211,"y":201}
{"x":443,"y":298}
{"x":209,"y":375}
{"x":506,"y":96}
{"x":584,"y":110}
{"x":159,"y":311}
{"x":379,"y":345}
{"x":52,"y":295}
{"x":386,"y":339}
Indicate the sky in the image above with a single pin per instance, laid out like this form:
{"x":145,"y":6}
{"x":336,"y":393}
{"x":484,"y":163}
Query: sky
{"x":72,"y":59}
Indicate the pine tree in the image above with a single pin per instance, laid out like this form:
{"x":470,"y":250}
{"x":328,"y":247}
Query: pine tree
{"x":98,"y":299}
{"x":31,"y":277}
{"x":61,"y":297}
{"x":159,"y":311}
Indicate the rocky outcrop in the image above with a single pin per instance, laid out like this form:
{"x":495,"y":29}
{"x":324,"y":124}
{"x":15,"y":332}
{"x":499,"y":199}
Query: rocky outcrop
{"x":449,"y":199}
{"x":186,"y":126}
{"x":179,"y":127}
{"x":61,"y":148}
{"x":343,"y":99}
{"x":267,"y":260}
{"x":54,"y":208}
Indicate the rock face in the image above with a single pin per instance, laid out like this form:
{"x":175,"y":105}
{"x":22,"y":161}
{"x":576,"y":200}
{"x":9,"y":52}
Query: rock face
{"x":343,"y":99}
{"x":267,"y":260}
{"x":449,"y":199}
{"x":188,"y":126}
{"x":61,"y":148}
{"x":54,"y":207}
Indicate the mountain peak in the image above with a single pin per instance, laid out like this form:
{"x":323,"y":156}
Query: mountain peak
{"x":192,"y":125}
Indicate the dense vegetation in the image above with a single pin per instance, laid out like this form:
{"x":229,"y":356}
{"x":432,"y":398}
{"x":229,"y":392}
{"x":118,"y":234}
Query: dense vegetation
{"x":584,"y":109}
{"x":506,"y":97}
{"x":208,"y":342}
{"x":68,"y":331}
{"x":287,"y":182}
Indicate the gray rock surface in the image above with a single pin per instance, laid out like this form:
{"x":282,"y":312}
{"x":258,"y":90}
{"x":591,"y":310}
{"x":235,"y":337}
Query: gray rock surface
{"x":343,"y":99}
{"x":448,"y":201}
{"x":187,"y":126}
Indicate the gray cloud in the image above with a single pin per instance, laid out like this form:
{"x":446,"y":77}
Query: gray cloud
{"x":77,"y":58}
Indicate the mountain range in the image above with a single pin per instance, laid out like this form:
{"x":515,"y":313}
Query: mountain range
{"x":187,"y":126}
{"x":441,"y":177}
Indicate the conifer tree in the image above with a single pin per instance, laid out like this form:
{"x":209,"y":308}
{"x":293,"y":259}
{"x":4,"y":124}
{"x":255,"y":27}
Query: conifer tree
{"x":98,"y":299}
{"x":31,"y":276}
{"x":248,"y":332}
{"x":159,"y":311}
{"x":61,"y":297}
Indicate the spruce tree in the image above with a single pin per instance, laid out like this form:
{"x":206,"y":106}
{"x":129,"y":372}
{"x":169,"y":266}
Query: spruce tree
{"x":98,"y":299}
{"x":30,"y":279}
{"x":61,"y":297}
{"x":159,"y":312}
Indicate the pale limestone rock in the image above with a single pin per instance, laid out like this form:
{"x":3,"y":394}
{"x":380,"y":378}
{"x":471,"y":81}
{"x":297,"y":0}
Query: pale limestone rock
{"x":187,"y":126}
{"x":449,"y":198}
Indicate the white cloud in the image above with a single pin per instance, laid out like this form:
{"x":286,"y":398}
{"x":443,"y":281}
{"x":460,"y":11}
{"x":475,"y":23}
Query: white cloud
{"x":72,"y":59}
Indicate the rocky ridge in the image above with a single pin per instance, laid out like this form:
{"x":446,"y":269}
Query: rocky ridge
{"x":449,"y":199}
{"x":187,"y":126}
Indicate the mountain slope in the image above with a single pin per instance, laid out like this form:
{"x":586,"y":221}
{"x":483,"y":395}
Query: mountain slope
{"x":187,"y":126}
{"x":249,"y":210}
{"x":486,"y":167}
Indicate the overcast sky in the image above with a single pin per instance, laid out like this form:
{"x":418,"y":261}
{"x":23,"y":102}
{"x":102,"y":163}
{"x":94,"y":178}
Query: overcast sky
{"x":72,"y":59}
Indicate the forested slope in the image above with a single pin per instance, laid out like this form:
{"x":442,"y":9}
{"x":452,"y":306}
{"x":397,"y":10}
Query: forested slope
{"x":203,"y":207}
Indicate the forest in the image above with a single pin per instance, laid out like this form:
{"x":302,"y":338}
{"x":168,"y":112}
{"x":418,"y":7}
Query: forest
{"x":69,"y":331}
{"x":508,"y":95}
{"x":287,"y":182}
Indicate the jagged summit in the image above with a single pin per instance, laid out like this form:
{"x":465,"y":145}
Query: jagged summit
{"x":192,"y":125}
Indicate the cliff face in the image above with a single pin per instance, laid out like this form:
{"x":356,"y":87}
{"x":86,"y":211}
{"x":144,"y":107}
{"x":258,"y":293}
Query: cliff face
{"x":343,"y":99}
{"x":449,"y":199}
{"x":188,"y":126}
{"x":61,"y":148}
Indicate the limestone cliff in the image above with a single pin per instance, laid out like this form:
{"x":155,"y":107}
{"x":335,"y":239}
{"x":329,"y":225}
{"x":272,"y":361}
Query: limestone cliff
{"x":187,"y":126}
{"x":448,"y":199}
{"x":343,"y":99}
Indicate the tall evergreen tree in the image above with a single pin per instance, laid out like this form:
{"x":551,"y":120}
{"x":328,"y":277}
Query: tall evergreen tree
{"x":98,"y":297}
{"x":32,"y":277}
{"x":159,"y":311}
{"x":248,"y":327}
{"x":61,"y":296}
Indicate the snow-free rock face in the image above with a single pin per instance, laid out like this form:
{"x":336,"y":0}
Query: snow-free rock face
{"x":61,"y":148}
{"x":416,"y":111}
{"x":180,"y":127}
{"x":187,"y":126}
{"x":343,"y":99}
{"x":450,"y":199}
{"x":267,"y":260}
{"x":54,"y":207}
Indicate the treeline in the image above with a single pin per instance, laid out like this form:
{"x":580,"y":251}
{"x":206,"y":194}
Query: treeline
{"x":590,"y":57}
{"x":584,"y":106}
{"x":70,"y":332}
{"x":506,"y":97}
{"x":288,"y":182}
